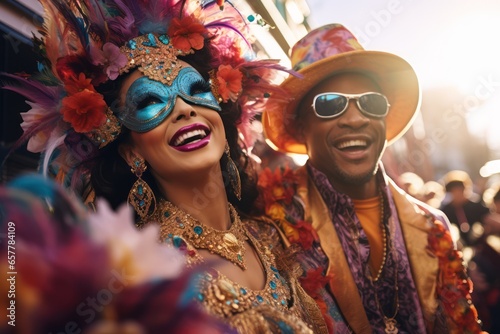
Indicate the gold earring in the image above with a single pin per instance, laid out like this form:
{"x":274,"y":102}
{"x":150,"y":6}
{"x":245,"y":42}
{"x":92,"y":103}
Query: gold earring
{"x":234,"y":175}
{"x":140,"y":196}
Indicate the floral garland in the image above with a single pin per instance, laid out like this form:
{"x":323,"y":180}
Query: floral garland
{"x":454,"y":286}
{"x":277,"y":193}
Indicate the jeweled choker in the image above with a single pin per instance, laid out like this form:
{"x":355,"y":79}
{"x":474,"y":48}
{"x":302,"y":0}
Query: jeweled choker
{"x":229,"y":244}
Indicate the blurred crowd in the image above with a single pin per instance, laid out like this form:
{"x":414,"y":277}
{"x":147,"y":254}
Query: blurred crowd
{"x":474,"y":213}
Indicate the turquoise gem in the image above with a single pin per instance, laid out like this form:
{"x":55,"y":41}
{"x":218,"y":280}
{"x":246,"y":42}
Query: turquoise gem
{"x":200,"y":297}
{"x":275,"y":295}
{"x":228,"y":302}
{"x":243,"y":291}
{"x":132,"y":44}
{"x":240,"y":258}
{"x":198,"y":229}
{"x":272,"y":284}
{"x":164,"y":39}
{"x":251,"y":18}
{"x":285,"y":328}
{"x":181,"y":225}
{"x":151,"y":41}
{"x":274,"y":269}
{"x":140,"y":190}
{"x":236,"y":301}
{"x":267,"y":95}
{"x":277,"y":276}
{"x":177,"y":241}
{"x":283,"y":302}
{"x":166,"y":214}
{"x":141,"y":203}
{"x":259,"y":298}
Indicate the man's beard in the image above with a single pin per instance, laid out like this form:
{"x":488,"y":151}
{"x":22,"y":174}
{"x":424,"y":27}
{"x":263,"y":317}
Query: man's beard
{"x":355,"y":180}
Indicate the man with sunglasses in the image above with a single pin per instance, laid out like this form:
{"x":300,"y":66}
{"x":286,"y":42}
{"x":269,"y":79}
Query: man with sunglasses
{"x":379,"y":260}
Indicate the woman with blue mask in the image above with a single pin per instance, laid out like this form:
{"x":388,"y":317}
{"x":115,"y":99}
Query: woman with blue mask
{"x":150,"y":103}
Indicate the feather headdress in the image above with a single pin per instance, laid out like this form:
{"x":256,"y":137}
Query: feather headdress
{"x":86,"y":43}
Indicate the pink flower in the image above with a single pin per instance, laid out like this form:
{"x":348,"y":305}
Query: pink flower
{"x":111,"y":57}
{"x":138,"y":252}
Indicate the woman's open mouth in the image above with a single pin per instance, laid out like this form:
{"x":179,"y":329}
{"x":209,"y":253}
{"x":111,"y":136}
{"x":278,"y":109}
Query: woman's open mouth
{"x":191,"y":137}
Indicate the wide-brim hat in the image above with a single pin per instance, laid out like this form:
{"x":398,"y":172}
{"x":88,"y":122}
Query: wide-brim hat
{"x":331,"y":50}
{"x":457,"y":177}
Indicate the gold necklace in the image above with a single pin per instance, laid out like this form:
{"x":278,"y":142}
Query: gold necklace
{"x":384,"y":239}
{"x":229,"y":244}
{"x":390,"y":322}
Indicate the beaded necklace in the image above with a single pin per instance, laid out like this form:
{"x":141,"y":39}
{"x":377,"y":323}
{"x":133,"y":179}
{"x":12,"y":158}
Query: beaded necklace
{"x":390,"y":322}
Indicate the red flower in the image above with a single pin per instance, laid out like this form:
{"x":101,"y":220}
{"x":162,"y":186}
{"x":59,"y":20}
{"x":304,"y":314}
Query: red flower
{"x":306,"y":234}
{"x":229,"y":82}
{"x":75,"y":85}
{"x":68,"y":68}
{"x":277,"y":186}
{"x":187,"y":33}
{"x":312,"y":283}
{"x":85,"y":110}
{"x":454,"y":286}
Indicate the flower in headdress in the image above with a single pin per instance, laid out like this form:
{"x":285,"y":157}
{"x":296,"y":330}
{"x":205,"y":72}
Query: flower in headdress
{"x":110,"y":57}
{"x":85,"y":110}
{"x":68,"y":68}
{"x":187,"y":33}
{"x":78,"y":84}
{"x":229,"y":82}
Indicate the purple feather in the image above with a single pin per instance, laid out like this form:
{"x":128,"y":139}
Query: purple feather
{"x":46,"y":96}
{"x":224,"y":23}
{"x":122,"y":28}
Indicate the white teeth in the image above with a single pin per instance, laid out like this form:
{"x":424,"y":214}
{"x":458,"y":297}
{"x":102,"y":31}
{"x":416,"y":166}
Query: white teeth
{"x":351,"y":143}
{"x":187,"y":135}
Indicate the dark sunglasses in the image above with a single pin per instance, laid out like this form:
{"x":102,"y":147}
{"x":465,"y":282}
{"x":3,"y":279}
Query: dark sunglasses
{"x":331,"y":105}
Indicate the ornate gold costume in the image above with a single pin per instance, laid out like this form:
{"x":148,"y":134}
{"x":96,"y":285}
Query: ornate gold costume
{"x":281,"y":306}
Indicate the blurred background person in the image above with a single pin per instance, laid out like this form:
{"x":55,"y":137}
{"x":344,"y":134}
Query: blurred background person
{"x":412,"y":184}
{"x":433,"y":193}
{"x":463,"y":207}
{"x":484,"y":266}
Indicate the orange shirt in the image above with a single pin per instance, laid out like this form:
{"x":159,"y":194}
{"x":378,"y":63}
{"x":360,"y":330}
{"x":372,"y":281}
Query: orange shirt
{"x":368,"y":212}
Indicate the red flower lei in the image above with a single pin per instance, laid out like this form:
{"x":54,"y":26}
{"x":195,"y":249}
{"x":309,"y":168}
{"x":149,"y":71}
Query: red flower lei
{"x":277,"y":190}
{"x":454,"y":286}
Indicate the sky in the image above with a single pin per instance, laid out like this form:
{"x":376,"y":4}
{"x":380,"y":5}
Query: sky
{"x":450,"y":43}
